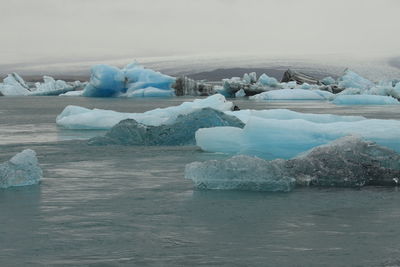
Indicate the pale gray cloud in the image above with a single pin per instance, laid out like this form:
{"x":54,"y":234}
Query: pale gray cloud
{"x":43,"y":29}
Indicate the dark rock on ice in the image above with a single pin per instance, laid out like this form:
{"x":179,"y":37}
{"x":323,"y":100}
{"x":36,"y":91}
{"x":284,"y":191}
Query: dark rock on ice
{"x":298,"y":77}
{"x":181,"y":132}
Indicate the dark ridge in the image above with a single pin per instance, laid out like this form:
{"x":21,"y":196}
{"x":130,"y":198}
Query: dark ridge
{"x":219,"y":74}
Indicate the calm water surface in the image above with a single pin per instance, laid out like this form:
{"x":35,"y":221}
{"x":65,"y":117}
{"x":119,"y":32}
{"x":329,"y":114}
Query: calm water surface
{"x":131,"y":206}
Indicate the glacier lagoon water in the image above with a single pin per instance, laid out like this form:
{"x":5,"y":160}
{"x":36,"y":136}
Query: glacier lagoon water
{"x":124,"y":206}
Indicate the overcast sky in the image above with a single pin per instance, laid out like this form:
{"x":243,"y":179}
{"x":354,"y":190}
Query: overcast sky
{"x":85,"y":29}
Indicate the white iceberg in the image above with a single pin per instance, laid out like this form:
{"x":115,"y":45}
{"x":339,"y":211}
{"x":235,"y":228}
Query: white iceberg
{"x":277,"y":138}
{"x":14,"y":85}
{"x":293,"y":94}
{"x":365,"y":100}
{"x":75,"y":117}
{"x":350,"y":79}
{"x":50,"y":86}
{"x":347,"y":162}
{"x":21,"y":170}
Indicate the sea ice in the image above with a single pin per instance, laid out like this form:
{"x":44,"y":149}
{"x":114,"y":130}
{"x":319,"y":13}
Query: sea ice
{"x":22,"y":169}
{"x":180,"y":132}
{"x":346,"y":162}
{"x":293,"y":94}
{"x":277,"y":138}
{"x":365,"y":100}
{"x":75,"y":117}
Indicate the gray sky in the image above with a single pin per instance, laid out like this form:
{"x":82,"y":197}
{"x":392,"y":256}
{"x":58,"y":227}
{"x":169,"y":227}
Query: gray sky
{"x":50,"y":30}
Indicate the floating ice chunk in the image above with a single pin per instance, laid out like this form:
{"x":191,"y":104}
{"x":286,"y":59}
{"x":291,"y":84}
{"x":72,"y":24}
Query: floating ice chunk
{"x":328,"y":80}
{"x":275,"y":138}
{"x":73,"y":93}
{"x":293,"y":94}
{"x":268,"y":81}
{"x":109,"y":81}
{"x":14,"y":85}
{"x":240,"y":93}
{"x":150,"y":92}
{"x":181,"y":132}
{"x":286,"y":114}
{"x":365,"y":100}
{"x":240,"y":173}
{"x":350,"y":79}
{"x":51,"y":87}
{"x":22,"y":169}
{"x":347,"y":162}
{"x":75,"y":117}
{"x":105,"y":81}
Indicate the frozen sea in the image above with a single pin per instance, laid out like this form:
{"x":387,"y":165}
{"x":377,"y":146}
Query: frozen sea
{"x":131,"y":206}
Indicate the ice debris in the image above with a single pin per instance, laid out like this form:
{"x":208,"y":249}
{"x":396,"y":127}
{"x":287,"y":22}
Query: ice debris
{"x":346,"y":162}
{"x":180,"y":132}
{"x":21,"y":170}
{"x":75,"y":117}
{"x":271,"y":138}
{"x":131,"y":81}
{"x":365,"y":100}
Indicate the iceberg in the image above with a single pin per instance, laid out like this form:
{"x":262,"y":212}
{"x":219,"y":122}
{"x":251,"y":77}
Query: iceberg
{"x":365,"y":100}
{"x":285,"y":114}
{"x":265,"y":80}
{"x":293,"y":94}
{"x":346,"y":162}
{"x":21,"y":170}
{"x":328,"y":81}
{"x":240,"y":173}
{"x":150,"y":92}
{"x":277,"y":138}
{"x":75,"y":117}
{"x":14,"y":85}
{"x":350,"y":79}
{"x":181,"y":132}
{"x":110,"y":81}
{"x":50,"y":86}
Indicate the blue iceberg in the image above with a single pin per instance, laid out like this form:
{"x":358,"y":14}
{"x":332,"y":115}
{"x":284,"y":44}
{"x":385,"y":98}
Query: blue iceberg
{"x":109,"y":81}
{"x":271,"y":138}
